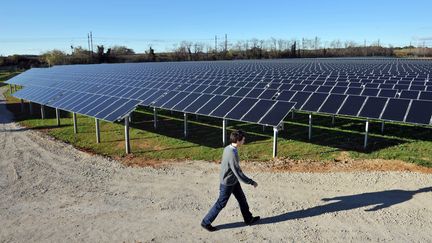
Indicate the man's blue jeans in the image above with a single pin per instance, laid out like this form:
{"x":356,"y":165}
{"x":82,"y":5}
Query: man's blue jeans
{"x":224,"y":195}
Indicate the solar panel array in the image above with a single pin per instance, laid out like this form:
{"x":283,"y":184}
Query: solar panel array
{"x":260,"y":92}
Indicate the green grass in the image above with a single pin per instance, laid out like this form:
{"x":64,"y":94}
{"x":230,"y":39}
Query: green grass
{"x":399,"y":141}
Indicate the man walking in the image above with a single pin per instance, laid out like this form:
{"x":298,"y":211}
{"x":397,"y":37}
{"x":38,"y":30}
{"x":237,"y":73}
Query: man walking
{"x":229,"y":183}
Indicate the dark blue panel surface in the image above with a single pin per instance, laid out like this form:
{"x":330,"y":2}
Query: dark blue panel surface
{"x":333,"y":103}
{"x":277,"y":113}
{"x":352,"y":105}
{"x":258,"y":111}
{"x":395,"y":110}
{"x":225,"y":107}
{"x":314,"y":102}
{"x":241,"y":108}
{"x":420,"y":112}
{"x":198,"y":103}
{"x":373,"y":107}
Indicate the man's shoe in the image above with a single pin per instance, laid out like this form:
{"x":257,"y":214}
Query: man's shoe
{"x":253,"y":220}
{"x":208,"y":227}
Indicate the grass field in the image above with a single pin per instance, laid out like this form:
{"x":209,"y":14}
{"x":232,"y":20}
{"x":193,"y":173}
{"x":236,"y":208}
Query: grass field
{"x":399,"y":141}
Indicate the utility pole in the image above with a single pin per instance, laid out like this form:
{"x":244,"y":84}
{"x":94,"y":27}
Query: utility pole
{"x":91,"y":41}
{"x":215,"y":43}
{"x":226,"y":43}
{"x":88,"y":42}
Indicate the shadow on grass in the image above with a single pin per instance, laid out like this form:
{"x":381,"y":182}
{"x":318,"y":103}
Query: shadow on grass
{"x":345,"y":134}
{"x":379,"y":200}
{"x":201,"y":131}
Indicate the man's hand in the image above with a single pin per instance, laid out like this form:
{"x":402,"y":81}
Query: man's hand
{"x":255,"y":184}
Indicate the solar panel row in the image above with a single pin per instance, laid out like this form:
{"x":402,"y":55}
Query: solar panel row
{"x":235,"y":90}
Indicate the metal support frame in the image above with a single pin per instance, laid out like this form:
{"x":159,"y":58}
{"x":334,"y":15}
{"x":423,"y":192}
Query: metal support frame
{"x":74,"y":118}
{"x":224,"y":134}
{"x":310,"y":126}
{"x":31,"y":108}
{"x":185,"y":131}
{"x":333,"y":120}
{"x":127,"y":140}
{"x":42,"y":111}
{"x":22,"y":105}
{"x":97,"y":130}
{"x":366,"y":134}
{"x":130,"y":117}
{"x":58,"y":116}
{"x":275,"y":137}
{"x":263,"y":128}
{"x":10,"y":88}
{"x":292,"y":115}
{"x":154,"y":118}
{"x":382,"y":127}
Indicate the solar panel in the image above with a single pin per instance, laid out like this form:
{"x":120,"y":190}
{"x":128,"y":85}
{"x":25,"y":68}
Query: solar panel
{"x":158,"y":84}
{"x":241,"y":108}
{"x":373,"y":107}
{"x":314,"y":102}
{"x":258,"y":111}
{"x":395,"y":110}
{"x":277,"y":113}
{"x":420,"y":112}
{"x":332,"y":104}
{"x":225,"y":107}
{"x":352,"y":105}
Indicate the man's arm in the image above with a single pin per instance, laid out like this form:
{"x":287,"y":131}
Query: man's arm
{"x":234,"y":166}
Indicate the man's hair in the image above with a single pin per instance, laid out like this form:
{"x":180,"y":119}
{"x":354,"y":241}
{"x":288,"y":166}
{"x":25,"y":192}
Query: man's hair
{"x":237,"y":136}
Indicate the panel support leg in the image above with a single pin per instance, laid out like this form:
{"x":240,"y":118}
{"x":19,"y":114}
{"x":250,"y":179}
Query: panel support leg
{"x":366,"y":134}
{"x":310,"y":126}
{"x":382,"y":127}
{"x":333,"y":120}
{"x":42,"y":111}
{"x":224,"y":134}
{"x":185,"y":132}
{"x":127,"y":140}
{"x":292,"y":115}
{"x":275,"y":137}
{"x":10,"y":88}
{"x":31,"y":108}
{"x":58,"y":116}
{"x":154,"y":118}
{"x":74,"y":118}
{"x":97,"y":131}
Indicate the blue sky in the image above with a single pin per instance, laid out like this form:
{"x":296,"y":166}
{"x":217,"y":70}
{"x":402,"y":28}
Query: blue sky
{"x":32,"y":27}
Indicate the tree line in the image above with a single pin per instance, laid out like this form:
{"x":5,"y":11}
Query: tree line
{"x":197,"y":51}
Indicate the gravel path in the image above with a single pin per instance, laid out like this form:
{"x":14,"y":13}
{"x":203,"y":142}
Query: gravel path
{"x":51,"y":192}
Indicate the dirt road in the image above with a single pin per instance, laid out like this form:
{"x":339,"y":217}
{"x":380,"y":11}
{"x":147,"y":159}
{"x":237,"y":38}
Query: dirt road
{"x":51,"y":192}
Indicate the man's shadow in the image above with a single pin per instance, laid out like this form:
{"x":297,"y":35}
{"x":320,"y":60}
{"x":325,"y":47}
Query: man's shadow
{"x":379,"y":200}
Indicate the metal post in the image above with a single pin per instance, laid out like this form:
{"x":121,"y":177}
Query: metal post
{"x":333,"y":120}
{"x":224,"y":123}
{"x":42,"y":111}
{"x":154,"y":118}
{"x":127,"y":141}
{"x":366,"y":134}
{"x":58,"y":116}
{"x":130,"y":117}
{"x":263,"y":127}
{"x":382,"y":127}
{"x":31,"y":108}
{"x":310,"y":126}
{"x":185,"y":132}
{"x":10,"y":89}
{"x":22,"y":106}
{"x":275,"y":135}
{"x":97,"y":131}
{"x":74,"y":118}
{"x":292,"y":115}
